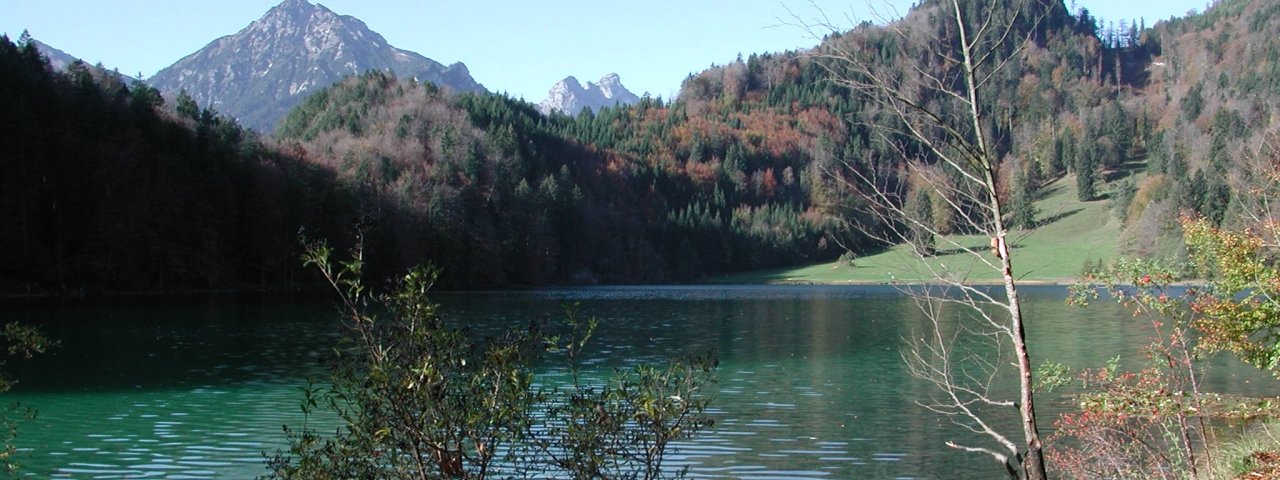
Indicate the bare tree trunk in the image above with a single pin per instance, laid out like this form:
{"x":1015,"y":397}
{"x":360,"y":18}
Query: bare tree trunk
{"x":1033,"y":462}
{"x":961,"y":146}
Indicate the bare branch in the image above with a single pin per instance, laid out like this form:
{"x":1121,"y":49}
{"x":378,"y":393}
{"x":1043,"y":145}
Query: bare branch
{"x":957,"y":72}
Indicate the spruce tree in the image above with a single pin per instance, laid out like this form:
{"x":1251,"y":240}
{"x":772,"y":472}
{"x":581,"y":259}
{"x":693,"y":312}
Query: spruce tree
{"x":1087,"y":174}
{"x":1022,"y":204}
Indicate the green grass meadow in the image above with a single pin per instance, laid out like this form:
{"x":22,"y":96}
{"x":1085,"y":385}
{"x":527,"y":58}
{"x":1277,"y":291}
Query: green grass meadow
{"x":1071,"y":233}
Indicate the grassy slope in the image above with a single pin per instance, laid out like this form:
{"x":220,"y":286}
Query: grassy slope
{"x":1071,"y":234}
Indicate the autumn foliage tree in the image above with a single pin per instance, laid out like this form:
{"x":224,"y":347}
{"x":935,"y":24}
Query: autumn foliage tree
{"x":1149,"y":423}
{"x":1156,"y":420}
{"x":1238,"y":310}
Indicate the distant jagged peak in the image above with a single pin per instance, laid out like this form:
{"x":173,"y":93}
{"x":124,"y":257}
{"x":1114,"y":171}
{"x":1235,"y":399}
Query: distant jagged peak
{"x":290,"y":12}
{"x":612,"y":87}
{"x":610,"y":79}
{"x":298,"y":6}
{"x":295,"y":49}
{"x":570,"y":96}
{"x":294,"y":16}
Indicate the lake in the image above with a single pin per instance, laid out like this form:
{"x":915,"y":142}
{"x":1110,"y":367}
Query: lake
{"x":810,"y":383}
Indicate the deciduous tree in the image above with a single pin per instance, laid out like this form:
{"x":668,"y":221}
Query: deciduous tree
{"x":938,"y":91}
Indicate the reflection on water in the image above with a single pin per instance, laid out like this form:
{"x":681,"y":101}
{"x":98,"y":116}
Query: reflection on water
{"x":810,"y":383}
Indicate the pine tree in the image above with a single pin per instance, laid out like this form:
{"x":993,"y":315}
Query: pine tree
{"x":1087,"y":174}
{"x":1022,"y":204}
{"x":186,"y":106}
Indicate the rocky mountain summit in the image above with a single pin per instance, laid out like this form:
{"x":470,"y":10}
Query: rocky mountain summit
{"x":569,"y":96}
{"x":297,"y":48}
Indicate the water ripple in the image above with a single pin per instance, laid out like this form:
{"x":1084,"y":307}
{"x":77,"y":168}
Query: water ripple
{"x":810,"y":386}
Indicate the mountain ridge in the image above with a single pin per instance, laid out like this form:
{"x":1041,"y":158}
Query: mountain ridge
{"x":258,"y":73}
{"x":61,"y":60}
{"x":58,"y":59}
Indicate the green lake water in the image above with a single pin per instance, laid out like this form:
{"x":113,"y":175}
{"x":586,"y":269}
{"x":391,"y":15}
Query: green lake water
{"x":810,"y":384}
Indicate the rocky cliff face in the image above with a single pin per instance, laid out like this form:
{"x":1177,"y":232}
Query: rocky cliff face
{"x":569,"y":96}
{"x":297,"y":48}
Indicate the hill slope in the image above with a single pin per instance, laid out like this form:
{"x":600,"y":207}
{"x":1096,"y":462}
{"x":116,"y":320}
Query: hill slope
{"x":1073,"y":233}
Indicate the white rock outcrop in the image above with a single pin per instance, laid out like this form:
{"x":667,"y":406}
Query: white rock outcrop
{"x":569,"y":96}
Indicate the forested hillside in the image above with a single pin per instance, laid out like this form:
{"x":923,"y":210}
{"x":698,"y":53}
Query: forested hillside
{"x":103,"y":187}
{"x":1209,"y":108}
{"x":497,"y":193}
{"x":106,"y":186}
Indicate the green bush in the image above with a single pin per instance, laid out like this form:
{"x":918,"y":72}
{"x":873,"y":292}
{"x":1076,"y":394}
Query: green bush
{"x":420,"y":399}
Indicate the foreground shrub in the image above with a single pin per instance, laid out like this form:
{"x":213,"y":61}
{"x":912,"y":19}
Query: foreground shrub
{"x":420,"y":399}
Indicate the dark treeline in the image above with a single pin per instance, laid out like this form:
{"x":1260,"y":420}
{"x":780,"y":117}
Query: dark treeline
{"x":107,"y":185}
{"x":102,"y":187}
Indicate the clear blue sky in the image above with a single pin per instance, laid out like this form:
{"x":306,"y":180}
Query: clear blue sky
{"x":518,"y":46}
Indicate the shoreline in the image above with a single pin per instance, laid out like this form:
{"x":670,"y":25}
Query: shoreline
{"x":92,"y":297}
{"x":1037,"y":282}
{"x":104,"y":297}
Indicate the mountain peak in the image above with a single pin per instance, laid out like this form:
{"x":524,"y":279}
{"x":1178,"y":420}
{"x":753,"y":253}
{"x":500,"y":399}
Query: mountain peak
{"x":295,"y":49}
{"x":302,"y":6}
{"x":569,"y":96}
{"x":297,"y":10}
